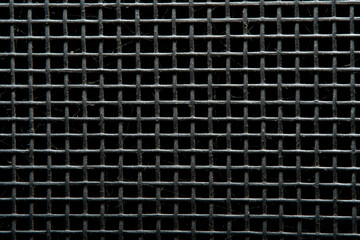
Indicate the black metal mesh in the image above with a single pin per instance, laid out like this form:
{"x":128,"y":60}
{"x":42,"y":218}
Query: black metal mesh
{"x":179,"y":119}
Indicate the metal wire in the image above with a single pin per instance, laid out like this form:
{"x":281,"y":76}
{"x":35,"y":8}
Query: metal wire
{"x":179,"y":119}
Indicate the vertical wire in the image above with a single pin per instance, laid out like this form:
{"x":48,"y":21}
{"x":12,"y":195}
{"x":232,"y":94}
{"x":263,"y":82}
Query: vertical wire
{"x":228,"y":116}
{"x":298,"y":124}
{"x":138,"y":118}
{"x":192,"y":123}
{"x":66,"y":114}
{"x":246,"y":124}
{"x":13,"y":123}
{"x":175,"y":119}
{"x":353,"y":121}
{"x":210,"y":121}
{"x":48,"y":115}
{"x":102,"y":115}
{"x":280,"y":119}
{"x":157,"y":115}
{"x":120,"y":124}
{"x":334,"y":115}
{"x":31,"y":121}
{"x":84,"y":115}
{"x":316,"y":121}
{"x":263,"y":115}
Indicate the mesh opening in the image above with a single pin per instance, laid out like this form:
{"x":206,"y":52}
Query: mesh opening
{"x":179,"y":119}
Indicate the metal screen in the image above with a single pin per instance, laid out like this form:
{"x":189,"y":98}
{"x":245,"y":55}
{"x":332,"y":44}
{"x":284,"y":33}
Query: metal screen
{"x":179,"y":119}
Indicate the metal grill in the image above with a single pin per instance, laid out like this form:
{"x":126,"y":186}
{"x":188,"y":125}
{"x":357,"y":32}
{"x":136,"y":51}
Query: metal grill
{"x":179,"y":119}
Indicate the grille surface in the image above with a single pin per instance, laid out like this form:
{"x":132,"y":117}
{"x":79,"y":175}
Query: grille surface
{"x":179,"y":119}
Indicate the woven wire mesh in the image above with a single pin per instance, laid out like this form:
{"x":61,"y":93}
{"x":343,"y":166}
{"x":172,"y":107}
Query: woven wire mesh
{"x":179,"y":119}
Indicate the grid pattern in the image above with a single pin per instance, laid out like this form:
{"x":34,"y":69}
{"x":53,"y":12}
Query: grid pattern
{"x":179,"y":119}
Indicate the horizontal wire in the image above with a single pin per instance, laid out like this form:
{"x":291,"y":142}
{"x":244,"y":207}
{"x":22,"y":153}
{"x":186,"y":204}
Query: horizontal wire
{"x":180,"y":54}
{"x":179,"y":20}
{"x":182,"y":183}
{"x":180,"y":70}
{"x":181,"y":199}
{"x":181,"y":4}
{"x":183,"y":102}
{"x":167,"y":216}
{"x":186,"y":135}
{"x":193,"y":150}
{"x":186,"y":86}
{"x":178,"y":167}
{"x":217,"y":119}
{"x":182,"y":232}
{"x":184,"y":37}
